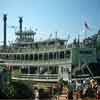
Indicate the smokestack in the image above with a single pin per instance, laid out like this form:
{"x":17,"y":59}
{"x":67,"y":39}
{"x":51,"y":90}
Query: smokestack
{"x":20,"y":24}
{"x":5,"y":24}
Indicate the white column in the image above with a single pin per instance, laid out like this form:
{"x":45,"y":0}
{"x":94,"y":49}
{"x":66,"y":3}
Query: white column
{"x":28,"y":69}
{"x":38,"y":70}
{"x":59,"y":72}
{"x":19,"y":68}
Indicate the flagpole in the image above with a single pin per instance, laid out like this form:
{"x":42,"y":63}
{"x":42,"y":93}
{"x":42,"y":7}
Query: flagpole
{"x":85,"y":34}
{"x":86,"y":28}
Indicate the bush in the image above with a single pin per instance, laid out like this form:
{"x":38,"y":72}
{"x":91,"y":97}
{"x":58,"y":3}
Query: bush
{"x":16,"y":90}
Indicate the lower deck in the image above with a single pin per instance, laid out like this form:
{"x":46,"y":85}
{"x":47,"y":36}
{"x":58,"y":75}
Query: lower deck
{"x":50,"y":73}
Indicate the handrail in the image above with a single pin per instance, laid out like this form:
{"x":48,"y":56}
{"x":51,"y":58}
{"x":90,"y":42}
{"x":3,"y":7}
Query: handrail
{"x":48,"y":62}
{"x":37,"y":76}
{"x":13,"y":50}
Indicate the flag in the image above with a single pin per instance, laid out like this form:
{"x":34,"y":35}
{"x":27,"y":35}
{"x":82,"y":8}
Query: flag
{"x":86,"y":26}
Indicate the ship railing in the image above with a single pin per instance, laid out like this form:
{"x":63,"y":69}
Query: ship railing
{"x":37,"y":49}
{"x":19,"y":50}
{"x":37,"y":76}
{"x":19,"y":62}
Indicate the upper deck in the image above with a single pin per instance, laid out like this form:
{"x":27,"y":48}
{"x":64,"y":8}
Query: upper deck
{"x":26,"y":43}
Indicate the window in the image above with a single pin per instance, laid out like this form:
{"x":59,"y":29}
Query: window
{"x":18,"y":57}
{"x":6,"y":56}
{"x":22,"y":57}
{"x":35,"y":57}
{"x":40,"y":56}
{"x":50,"y":55}
{"x":3,"y":57}
{"x":53,"y":70}
{"x":45,"y":56}
{"x":26,"y":57}
{"x":85,"y":52}
{"x":61,"y":54}
{"x":67,"y":54}
{"x":33,"y":69}
{"x":31,"y":56}
{"x":55,"y":55}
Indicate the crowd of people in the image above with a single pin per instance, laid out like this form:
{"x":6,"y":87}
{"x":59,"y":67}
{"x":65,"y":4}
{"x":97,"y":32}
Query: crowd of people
{"x":78,"y":89}
{"x":85,"y":88}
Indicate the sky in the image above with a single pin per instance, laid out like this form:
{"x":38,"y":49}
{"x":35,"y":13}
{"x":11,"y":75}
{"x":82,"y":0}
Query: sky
{"x":66,"y":17}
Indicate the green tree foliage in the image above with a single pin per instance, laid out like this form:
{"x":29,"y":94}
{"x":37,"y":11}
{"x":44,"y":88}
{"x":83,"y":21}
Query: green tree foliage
{"x":10,"y":89}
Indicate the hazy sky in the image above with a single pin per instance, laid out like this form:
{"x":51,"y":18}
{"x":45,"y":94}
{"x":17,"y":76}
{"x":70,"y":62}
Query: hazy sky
{"x":48,"y":16}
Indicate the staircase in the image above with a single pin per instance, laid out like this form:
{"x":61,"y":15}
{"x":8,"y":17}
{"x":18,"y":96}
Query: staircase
{"x":81,"y":68}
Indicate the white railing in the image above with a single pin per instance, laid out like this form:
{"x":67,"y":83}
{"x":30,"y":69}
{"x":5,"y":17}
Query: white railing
{"x":46,"y":77}
{"x":29,"y":50}
{"x":49,"y":62}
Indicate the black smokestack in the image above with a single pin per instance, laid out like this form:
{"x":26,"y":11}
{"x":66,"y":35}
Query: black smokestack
{"x":5,"y":24}
{"x":20,"y":24}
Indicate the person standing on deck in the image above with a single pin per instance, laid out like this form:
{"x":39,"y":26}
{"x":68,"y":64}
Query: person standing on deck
{"x":36,"y":94}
